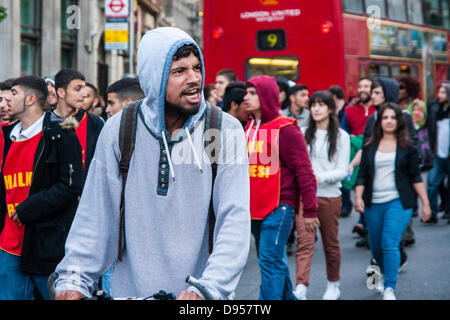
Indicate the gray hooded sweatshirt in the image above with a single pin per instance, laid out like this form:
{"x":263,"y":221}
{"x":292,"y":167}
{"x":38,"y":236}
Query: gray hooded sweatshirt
{"x":166,"y":200}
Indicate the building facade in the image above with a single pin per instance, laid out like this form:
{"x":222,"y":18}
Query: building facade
{"x":42,"y":36}
{"x":186,"y":15}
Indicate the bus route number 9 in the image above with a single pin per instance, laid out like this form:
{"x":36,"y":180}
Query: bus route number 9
{"x":271,"y":40}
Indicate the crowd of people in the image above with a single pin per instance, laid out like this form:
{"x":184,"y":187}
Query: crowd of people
{"x":173,"y":176}
{"x":49,"y":133}
{"x":377,"y":145}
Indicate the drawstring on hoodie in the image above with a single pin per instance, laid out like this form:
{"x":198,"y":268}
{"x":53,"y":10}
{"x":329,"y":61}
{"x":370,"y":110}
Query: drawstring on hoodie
{"x":193,"y":150}
{"x":168,"y":156}
{"x":252,"y":145}
{"x":249,"y":128}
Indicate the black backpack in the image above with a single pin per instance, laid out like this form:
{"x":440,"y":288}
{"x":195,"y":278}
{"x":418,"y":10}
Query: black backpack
{"x":127,"y":139}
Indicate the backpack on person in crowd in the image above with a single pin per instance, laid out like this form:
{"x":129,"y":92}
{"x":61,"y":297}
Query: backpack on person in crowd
{"x":127,"y":139}
{"x":425,"y":149}
{"x":423,"y":136}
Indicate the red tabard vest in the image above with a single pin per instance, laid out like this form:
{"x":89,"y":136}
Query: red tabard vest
{"x":17,"y":174}
{"x":264,"y":168}
{"x":81,"y":132}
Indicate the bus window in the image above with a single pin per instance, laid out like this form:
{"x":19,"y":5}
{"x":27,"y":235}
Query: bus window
{"x":400,"y":70}
{"x":446,"y":13}
{"x":434,"y":18}
{"x":362,"y":71}
{"x":415,"y":72}
{"x":353,"y":6}
{"x":378,"y":70}
{"x":376,"y":8}
{"x":284,"y":66}
{"x":397,"y":10}
{"x":415,"y":11}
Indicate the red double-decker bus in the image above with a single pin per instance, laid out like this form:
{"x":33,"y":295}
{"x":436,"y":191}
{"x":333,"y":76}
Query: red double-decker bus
{"x":326,"y":42}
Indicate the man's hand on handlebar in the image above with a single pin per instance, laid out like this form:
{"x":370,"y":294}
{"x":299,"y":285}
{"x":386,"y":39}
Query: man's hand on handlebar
{"x":69,"y":295}
{"x":188,"y":295}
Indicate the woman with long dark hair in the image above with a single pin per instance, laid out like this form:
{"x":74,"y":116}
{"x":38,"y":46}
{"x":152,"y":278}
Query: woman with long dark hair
{"x":329,"y":151}
{"x":388,"y":178}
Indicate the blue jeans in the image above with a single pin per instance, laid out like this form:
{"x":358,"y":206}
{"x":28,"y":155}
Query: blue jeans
{"x":271,"y":236}
{"x":441,"y":168}
{"x":17,"y":285}
{"x":386,"y":223}
{"x":106,"y":281}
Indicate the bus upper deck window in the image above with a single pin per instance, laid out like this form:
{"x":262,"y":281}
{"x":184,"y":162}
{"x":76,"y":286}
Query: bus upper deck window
{"x":376,"y":8}
{"x":446,"y":13}
{"x":397,"y":10}
{"x":353,"y":6}
{"x":415,"y":11}
{"x":279,"y":67}
{"x":434,"y":17}
{"x":271,"y":40}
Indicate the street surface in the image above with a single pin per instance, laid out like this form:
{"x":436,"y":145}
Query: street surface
{"x":425,"y":277}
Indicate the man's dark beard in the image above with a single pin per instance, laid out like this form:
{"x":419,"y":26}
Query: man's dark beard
{"x":366,"y":100}
{"x":178,"y":112}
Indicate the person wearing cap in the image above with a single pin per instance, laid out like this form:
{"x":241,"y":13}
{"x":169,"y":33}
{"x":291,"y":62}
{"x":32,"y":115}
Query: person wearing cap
{"x":52,"y":98}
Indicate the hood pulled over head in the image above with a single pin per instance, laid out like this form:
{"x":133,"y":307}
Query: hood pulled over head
{"x":154,"y":60}
{"x":268,"y":93}
{"x":391,"y":89}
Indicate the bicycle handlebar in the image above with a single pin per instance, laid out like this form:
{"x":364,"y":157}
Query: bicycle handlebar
{"x":205,"y":292}
{"x":50,"y":285}
{"x":161,"y":295}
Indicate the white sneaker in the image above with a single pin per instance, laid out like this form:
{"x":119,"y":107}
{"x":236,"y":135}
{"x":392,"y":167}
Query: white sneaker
{"x":333,"y":292}
{"x":300,"y":292}
{"x":389,"y":294}
{"x":380,"y":285}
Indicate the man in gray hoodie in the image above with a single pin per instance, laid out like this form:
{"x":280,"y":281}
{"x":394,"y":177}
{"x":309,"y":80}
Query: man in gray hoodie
{"x":168,"y":190}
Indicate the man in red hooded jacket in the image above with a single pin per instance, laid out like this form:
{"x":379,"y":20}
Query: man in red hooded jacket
{"x":280,"y":174}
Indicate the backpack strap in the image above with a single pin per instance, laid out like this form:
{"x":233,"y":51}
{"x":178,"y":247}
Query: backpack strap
{"x":127,"y":139}
{"x":213,"y":120}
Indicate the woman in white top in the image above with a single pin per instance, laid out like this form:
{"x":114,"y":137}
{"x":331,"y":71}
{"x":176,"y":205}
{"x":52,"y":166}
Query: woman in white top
{"x":329,"y":151}
{"x":388,"y":178}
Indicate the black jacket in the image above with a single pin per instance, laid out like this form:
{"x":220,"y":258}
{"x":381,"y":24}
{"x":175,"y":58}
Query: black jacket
{"x":94,"y":127}
{"x":48,"y":211}
{"x":407,"y":172}
{"x":435,"y":112}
